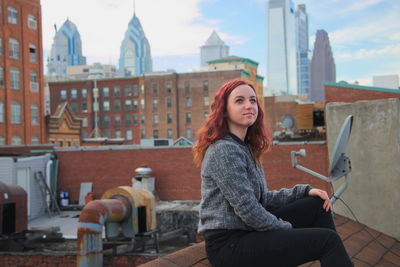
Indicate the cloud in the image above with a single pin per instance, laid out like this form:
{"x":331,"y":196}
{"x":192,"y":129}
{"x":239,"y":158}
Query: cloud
{"x":173,"y":27}
{"x":359,"y":5}
{"x":362,"y":53}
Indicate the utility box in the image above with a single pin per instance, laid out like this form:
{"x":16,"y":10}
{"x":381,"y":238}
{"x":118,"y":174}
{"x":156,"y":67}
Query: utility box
{"x":13,"y":209}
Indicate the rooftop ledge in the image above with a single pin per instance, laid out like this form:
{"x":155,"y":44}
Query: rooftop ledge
{"x":366,"y":247}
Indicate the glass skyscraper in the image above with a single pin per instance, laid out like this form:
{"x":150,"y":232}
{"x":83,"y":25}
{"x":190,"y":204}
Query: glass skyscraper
{"x":303,"y":58}
{"x":135,"y":55}
{"x":322,"y":66}
{"x":213,"y":49}
{"x":281,"y":48}
{"x":65,"y":51}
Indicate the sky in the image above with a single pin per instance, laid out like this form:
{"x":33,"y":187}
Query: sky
{"x":364,"y":34}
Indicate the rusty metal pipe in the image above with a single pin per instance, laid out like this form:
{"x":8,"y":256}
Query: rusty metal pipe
{"x":90,"y":228}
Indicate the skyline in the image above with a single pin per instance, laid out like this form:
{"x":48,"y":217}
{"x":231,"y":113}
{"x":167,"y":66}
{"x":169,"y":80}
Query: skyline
{"x":364,"y":35}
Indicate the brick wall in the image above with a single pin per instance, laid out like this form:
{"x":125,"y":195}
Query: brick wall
{"x":176,"y":176}
{"x":345,"y":93}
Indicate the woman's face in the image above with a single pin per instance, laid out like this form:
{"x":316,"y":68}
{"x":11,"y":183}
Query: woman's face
{"x":242,"y":109}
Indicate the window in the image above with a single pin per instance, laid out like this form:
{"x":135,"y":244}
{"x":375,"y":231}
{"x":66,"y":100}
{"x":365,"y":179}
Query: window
{"x":32,"y":53}
{"x":155,"y":134}
{"x":128,"y":119}
{"x":85,"y":122}
{"x":34,"y":114}
{"x":155,"y":104}
{"x":33,"y":81}
{"x":32,"y":22}
{"x":84,"y":134}
{"x":117,"y":91}
{"x":188,"y":101}
{"x":128,"y":90}
{"x":117,"y":133}
{"x":142,"y":133}
{"x":168,"y":87}
{"x":74,"y":93}
{"x":106,"y":121}
{"x":84,"y":93}
{"x":205,"y":115}
{"x":74,"y":107}
{"x":1,"y":111}
{"x":169,"y":118}
{"x":63,"y":94}
{"x":206,"y":101}
{"x":117,"y":120}
{"x":2,"y":141}
{"x":106,"y":105}
{"x":106,"y":92}
{"x":1,"y":77}
{"x":169,"y":102}
{"x":205,"y":86}
{"x":16,"y":140}
{"x":135,"y":120}
{"x":35,"y":140}
{"x":117,"y":105}
{"x":142,"y":104}
{"x":14,"y":77}
{"x":187,"y":87}
{"x":1,"y":46}
{"x":84,"y":107}
{"x":15,"y":113}
{"x":154,"y":88}
{"x":155,"y":119}
{"x":188,"y":117}
{"x":12,"y":15}
{"x":169,"y":133}
{"x":129,"y":135}
{"x":142,"y":120}
{"x":13,"y":50}
{"x":188,"y":133}
{"x":135,"y":90}
{"x":135,"y":105}
{"x":142,"y":89}
{"x":128,"y":104}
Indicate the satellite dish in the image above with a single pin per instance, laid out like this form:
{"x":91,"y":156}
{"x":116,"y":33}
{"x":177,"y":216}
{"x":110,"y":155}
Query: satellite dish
{"x":340,"y":146}
{"x":340,"y":164}
{"x":287,"y":122}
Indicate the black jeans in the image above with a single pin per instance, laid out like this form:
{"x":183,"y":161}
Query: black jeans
{"x":313,"y":237}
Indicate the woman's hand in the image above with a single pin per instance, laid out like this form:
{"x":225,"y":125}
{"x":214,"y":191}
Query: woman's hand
{"x":323,"y":195}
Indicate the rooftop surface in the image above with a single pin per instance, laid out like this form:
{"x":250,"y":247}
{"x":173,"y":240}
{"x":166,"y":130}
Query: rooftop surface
{"x":366,"y":247}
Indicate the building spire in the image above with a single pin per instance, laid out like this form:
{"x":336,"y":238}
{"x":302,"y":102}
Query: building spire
{"x":133,"y":7}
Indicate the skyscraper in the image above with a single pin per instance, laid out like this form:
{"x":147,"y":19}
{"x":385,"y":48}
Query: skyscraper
{"x":65,"y":51}
{"x":303,"y":61}
{"x":213,"y":49}
{"x":323,"y":66}
{"x":281,"y":48}
{"x":135,"y":55}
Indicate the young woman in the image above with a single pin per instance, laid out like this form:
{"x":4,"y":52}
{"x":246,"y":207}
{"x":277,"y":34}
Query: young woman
{"x":243,"y":223}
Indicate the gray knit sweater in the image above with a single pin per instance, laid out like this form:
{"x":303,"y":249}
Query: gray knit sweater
{"x":234,"y":191}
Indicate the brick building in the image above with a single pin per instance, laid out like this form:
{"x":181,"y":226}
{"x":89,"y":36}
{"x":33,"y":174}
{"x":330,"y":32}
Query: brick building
{"x":344,"y":92}
{"x":156,"y":105}
{"x":21,"y":78}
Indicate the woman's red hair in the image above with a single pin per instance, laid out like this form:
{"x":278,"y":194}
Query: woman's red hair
{"x":216,"y":125}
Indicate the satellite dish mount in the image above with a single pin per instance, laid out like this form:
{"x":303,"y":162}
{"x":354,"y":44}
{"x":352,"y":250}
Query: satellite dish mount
{"x":340,"y":163}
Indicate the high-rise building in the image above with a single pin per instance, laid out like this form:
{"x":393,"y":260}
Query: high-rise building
{"x":281,"y":48}
{"x":323,"y":68}
{"x":65,"y":51}
{"x":386,"y":81}
{"x":303,"y":60}
{"x":213,"y":49}
{"x":135,"y":55}
{"x":21,"y":80}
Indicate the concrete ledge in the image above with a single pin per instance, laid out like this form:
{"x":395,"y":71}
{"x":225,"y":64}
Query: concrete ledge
{"x":191,"y":256}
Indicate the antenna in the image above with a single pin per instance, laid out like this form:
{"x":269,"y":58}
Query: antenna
{"x":340,"y":164}
{"x":134,"y":7}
